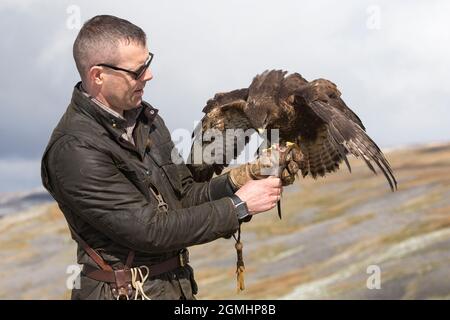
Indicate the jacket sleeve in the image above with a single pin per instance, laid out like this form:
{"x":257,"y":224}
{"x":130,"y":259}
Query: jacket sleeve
{"x":87,"y":181}
{"x":195,"y":193}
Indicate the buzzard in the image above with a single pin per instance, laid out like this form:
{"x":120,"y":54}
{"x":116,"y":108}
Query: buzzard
{"x":309,"y":114}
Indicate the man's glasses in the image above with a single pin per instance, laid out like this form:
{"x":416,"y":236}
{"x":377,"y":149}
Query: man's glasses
{"x":138,"y":73}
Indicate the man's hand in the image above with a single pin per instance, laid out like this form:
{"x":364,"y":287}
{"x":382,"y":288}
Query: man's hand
{"x":277,"y":161}
{"x":260,"y":195}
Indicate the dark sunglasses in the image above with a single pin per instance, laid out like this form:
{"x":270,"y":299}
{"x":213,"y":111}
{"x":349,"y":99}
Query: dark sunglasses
{"x":138,"y":73}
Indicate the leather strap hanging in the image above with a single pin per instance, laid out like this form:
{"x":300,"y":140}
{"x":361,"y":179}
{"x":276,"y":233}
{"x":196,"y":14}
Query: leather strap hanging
{"x":96,"y":257}
{"x":121,"y":287}
{"x":240,"y":267}
{"x":91,"y":252}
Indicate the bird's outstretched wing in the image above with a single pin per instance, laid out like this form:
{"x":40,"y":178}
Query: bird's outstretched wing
{"x":328,"y":130}
{"x":224,"y":111}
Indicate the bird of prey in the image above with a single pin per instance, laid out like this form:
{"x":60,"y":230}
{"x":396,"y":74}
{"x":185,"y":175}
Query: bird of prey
{"x":309,"y":114}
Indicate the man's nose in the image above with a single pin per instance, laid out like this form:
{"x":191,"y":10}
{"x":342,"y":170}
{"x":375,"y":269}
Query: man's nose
{"x":148,"y":75}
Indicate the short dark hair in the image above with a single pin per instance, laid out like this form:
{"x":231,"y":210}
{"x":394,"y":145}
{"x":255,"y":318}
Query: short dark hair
{"x":99,"y":38}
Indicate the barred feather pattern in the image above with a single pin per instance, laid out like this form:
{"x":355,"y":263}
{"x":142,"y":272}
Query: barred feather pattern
{"x":319,"y":156}
{"x":348,"y":137}
{"x":218,"y":120}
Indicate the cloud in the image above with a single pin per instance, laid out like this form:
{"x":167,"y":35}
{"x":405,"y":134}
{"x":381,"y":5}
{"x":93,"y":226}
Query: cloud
{"x":19,"y":174}
{"x":393,"y":76}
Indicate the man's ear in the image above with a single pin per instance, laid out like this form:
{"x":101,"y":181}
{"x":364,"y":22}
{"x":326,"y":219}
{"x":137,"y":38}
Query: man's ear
{"x":95,"y":75}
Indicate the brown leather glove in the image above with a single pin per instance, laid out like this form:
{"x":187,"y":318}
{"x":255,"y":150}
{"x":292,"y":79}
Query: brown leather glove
{"x":282,"y":162}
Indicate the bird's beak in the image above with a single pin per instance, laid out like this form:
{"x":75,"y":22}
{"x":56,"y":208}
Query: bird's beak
{"x":261,"y":130}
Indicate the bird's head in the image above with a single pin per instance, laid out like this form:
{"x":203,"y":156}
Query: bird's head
{"x":262,"y":108}
{"x":261,"y":113}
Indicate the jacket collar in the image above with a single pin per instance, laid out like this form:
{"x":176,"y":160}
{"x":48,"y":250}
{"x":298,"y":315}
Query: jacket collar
{"x":87,"y":106}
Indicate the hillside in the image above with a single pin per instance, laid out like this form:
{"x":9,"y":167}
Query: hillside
{"x":332,"y":230}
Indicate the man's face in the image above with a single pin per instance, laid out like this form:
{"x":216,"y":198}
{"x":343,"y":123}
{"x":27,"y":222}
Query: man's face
{"x":120,"y":89}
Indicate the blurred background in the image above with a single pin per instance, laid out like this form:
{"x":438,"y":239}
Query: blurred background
{"x":346,"y":236}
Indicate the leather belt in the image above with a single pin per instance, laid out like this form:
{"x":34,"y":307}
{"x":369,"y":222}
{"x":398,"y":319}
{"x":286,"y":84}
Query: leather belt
{"x":125,"y":274}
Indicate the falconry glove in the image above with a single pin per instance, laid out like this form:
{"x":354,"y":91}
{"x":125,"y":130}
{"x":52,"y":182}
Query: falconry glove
{"x":279,"y":161}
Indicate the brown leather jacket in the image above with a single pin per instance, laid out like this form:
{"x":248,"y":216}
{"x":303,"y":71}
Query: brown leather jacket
{"x":102,"y":185}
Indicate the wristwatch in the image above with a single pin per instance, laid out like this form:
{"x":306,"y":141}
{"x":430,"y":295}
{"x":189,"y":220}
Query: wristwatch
{"x":241,"y":209}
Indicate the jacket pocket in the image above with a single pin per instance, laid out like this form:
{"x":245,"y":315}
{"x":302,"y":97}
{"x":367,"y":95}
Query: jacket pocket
{"x":139,"y":181}
{"x":162,"y":153}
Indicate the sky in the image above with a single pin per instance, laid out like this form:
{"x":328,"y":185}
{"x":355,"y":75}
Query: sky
{"x":389,"y":60}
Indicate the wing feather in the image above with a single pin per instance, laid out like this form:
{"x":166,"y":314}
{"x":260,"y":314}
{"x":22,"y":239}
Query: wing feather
{"x":209,"y":156}
{"x":324,"y":127}
{"x":353,"y":138}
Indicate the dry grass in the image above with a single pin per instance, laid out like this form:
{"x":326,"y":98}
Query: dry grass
{"x":306,"y":247}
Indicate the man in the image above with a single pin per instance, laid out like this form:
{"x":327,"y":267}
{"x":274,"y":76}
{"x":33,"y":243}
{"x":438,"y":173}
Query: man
{"x":108,"y":164}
